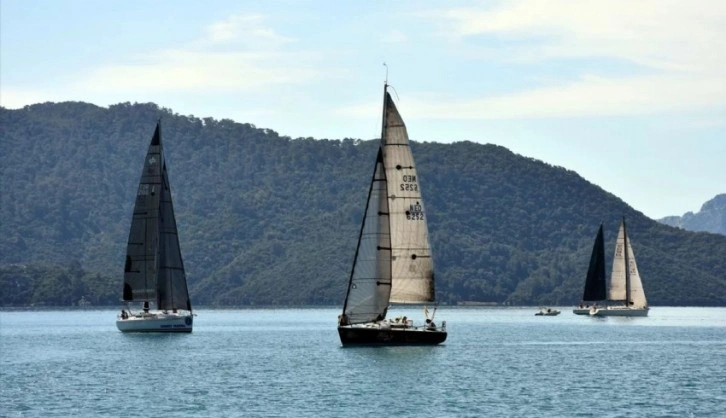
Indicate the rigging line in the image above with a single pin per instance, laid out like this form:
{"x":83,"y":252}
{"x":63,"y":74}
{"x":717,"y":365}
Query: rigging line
{"x":388,"y":85}
{"x":398,"y":99}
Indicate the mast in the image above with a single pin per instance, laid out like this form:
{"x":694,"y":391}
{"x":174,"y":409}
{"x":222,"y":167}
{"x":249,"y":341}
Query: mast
{"x":384,"y":107}
{"x":627,"y":265}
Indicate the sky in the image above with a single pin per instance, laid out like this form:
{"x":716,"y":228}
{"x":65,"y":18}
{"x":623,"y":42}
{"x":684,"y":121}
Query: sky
{"x":629,"y":94}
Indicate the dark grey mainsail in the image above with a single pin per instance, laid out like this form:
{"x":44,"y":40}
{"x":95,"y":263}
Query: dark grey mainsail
{"x":154,"y":270}
{"x":595,"y":286}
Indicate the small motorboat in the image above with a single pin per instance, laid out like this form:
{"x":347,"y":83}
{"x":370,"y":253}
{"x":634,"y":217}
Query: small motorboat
{"x":547,"y":312}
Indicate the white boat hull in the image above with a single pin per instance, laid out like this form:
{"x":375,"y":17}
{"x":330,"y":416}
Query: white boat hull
{"x":581,"y":311}
{"x":616,"y":311}
{"x":156,"y":322}
{"x":611,"y":311}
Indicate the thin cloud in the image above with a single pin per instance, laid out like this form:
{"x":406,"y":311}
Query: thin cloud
{"x":188,"y":70}
{"x":673,"y":47}
{"x":248,"y":30}
{"x":239,"y":53}
{"x":394,"y":37}
{"x":589,"y":96}
{"x":16,"y":98}
{"x":657,"y":33}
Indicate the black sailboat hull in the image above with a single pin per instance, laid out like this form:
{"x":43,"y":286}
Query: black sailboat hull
{"x":354,"y":335}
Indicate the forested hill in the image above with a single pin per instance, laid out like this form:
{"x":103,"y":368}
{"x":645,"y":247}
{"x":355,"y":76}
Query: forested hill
{"x":270,"y":220}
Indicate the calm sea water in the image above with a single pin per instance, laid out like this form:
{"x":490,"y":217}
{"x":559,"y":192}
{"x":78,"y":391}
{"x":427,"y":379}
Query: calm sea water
{"x":289,"y":362}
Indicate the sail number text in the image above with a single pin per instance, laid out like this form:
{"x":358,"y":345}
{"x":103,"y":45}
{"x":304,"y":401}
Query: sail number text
{"x":415,"y":212}
{"x":409,"y":184}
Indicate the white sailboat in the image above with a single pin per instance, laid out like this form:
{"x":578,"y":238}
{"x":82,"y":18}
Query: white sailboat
{"x":393,"y":263}
{"x":154,"y":276}
{"x":626,"y":296}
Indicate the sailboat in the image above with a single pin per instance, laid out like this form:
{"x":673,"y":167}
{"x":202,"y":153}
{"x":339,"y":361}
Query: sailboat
{"x":393,"y":262}
{"x":625,"y":296}
{"x":154,"y":275}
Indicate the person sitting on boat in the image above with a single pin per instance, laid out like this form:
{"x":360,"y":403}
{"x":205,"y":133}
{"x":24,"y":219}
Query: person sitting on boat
{"x":124,"y":315}
{"x":146,"y":307}
{"x":430,"y":324}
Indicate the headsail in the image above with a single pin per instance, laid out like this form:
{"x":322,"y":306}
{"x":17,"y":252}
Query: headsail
{"x":411,"y":263}
{"x":172,"y":292}
{"x":370,"y":283}
{"x":595,"y":287}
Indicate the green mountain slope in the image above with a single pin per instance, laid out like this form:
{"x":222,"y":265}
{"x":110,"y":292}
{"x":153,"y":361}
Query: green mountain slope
{"x":269,"y":220}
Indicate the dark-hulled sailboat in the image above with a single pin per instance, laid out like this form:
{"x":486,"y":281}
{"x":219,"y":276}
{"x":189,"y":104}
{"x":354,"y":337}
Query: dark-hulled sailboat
{"x":154,"y":277}
{"x":625,"y":296}
{"x":393,"y":262}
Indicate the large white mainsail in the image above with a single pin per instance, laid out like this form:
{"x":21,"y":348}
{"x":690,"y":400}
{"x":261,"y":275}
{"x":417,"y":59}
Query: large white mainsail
{"x":412,"y":269}
{"x":625,"y":283}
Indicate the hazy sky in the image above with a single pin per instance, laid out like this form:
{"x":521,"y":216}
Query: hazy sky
{"x":630,"y":94}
